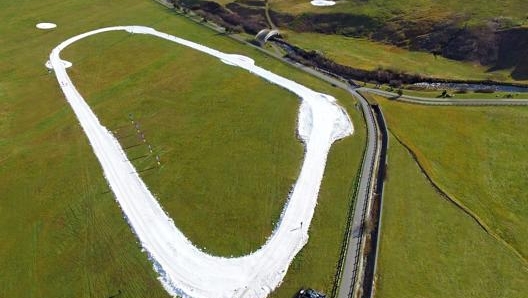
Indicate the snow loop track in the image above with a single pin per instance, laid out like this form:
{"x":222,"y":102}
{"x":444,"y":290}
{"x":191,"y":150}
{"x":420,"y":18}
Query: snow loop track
{"x":185,"y":270}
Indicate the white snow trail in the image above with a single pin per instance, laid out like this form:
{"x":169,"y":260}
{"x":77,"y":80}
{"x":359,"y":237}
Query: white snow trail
{"x":184,"y":269}
{"x":322,"y":3}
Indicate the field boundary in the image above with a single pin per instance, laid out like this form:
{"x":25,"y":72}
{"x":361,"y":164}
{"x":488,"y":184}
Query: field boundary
{"x":458,"y":204}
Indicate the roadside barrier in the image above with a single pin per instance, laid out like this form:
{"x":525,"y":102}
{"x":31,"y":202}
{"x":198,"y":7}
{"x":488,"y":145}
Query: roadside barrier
{"x":369,"y":116}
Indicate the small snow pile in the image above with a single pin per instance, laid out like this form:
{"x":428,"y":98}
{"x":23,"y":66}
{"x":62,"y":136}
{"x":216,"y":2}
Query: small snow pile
{"x":46,"y":26}
{"x":305,"y":122}
{"x":322,"y":3}
{"x":66,"y":64}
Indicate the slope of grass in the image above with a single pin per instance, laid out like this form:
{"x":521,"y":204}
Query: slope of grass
{"x":477,"y":10}
{"x":473,"y":154}
{"x":429,"y":248}
{"x":62,"y":233}
{"x":365,"y":54}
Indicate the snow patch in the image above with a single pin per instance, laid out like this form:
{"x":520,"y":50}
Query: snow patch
{"x":236,"y":60}
{"x":66,"y":64}
{"x":46,"y":26}
{"x":304,"y":125}
{"x":322,"y":3}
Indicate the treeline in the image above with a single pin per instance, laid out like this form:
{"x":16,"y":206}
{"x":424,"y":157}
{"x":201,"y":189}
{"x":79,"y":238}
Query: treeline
{"x":234,"y":18}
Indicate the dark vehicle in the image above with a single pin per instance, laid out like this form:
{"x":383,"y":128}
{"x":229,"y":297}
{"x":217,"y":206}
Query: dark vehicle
{"x":310,"y":293}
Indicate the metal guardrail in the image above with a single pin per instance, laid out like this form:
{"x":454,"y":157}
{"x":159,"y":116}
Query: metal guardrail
{"x":365,"y":173}
{"x":346,"y":234}
{"x":348,"y":227}
{"x":165,"y":3}
{"x":367,"y":194}
{"x":382,"y":126}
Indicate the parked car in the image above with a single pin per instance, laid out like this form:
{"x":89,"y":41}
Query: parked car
{"x":310,"y":293}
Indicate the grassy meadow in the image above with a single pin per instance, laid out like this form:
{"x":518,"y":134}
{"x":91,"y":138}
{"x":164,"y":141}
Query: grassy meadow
{"x":473,"y":154}
{"x":477,"y":10}
{"x":429,"y":245}
{"x":226,"y":140}
{"x":366,"y":54}
{"x":430,"y":248}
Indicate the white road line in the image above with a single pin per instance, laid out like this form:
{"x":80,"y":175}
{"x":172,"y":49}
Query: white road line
{"x":185,"y":270}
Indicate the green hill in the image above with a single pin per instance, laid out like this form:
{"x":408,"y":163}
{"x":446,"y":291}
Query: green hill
{"x":493,"y":35}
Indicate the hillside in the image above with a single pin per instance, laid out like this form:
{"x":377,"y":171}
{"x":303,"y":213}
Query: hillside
{"x":492,"y":34}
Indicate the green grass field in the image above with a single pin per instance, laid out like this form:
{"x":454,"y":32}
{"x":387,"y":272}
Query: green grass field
{"x":477,"y":10}
{"x":429,"y":248}
{"x":473,"y":154}
{"x":63,"y":234}
{"x":370,"y":55}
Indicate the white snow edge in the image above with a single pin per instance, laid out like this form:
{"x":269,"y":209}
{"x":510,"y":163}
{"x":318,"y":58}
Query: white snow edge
{"x":184,"y":269}
{"x":66,"y":64}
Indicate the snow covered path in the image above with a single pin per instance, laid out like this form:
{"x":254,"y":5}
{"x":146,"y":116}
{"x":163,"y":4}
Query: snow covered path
{"x":185,"y":270}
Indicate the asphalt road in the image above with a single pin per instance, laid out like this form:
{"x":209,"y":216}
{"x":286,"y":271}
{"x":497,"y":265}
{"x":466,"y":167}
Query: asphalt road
{"x":447,"y":101}
{"x":364,"y":192}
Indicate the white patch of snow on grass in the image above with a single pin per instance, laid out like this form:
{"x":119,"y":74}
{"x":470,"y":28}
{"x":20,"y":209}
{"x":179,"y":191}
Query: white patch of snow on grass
{"x":322,"y":3}
{"x":66,"y":64}
{"x":46,"y":26}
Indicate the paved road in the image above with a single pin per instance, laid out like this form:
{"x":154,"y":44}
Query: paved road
{"x":448,"y":101}
{"x":364,"y":193}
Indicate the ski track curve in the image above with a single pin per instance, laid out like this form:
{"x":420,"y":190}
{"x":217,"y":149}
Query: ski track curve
{"x":183,"y":269}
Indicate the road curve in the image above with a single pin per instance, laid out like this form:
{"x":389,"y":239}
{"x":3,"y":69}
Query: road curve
{"x":185,"y":270}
